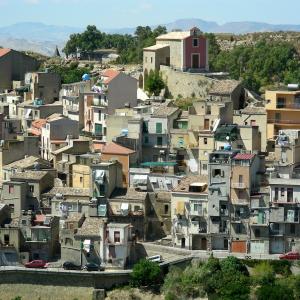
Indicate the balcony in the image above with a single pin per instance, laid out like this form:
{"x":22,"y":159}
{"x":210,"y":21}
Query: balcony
{"x":276,"y":232}
{"x":283,"y":121}
{"x":179,"y":230}
{"x":238,"y":185}
{"x":71,"y":108}
{"x":258,"y":221}
{"x":288,"y":106}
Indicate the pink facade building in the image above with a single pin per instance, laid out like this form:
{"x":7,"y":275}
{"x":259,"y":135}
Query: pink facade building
{"x":186,"y":51}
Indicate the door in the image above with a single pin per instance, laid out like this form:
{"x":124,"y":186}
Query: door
{"x":239,"y":247}
{"x":203,"y":244}
{"x":257,"y":247}
{"x":206,"y":124}
{"x":195,"y":61}
{"x":183,"y":243}
{"x":98,"y":129}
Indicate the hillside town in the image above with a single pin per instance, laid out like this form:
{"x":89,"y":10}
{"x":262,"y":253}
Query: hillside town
{"x":91,"y":170}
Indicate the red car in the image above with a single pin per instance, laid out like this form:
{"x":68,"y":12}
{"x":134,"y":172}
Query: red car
{"x":290,"y":255}
{"x":40,"y":264}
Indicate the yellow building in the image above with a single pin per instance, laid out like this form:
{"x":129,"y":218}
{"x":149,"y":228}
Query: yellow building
{"x":283,"y":111}
{"x":81,"y":176}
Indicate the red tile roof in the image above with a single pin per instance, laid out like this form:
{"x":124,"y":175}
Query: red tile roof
{"x":110,"y":74}
{"x":40,"y":218}
{"x":113,"y":148}
{"x":4,"y":51}
{"x":98,"y":147}
{"x":38,"y":123}
{"x":244,"y":156}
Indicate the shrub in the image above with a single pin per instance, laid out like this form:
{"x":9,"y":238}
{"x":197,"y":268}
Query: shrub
{"x":264,"y":273}
{"x":274,"y":292}
{"x":146,"y":273}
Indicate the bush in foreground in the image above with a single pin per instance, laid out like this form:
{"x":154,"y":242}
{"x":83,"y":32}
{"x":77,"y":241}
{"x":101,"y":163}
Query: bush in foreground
{"x":146,"y":273}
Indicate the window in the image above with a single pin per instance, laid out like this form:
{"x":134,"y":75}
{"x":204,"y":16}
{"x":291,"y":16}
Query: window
{"x":290,"y":195}
{"x":81,"y":179}
{"x":151,"y":60}
{"x":137,"y":208}
{"x":146,"y":140}
{"x":159,"y":141}
{"x":31,"y":188}
{"x":292,"y":229}
{"x":276,"y":194}
{"x":238,"y":228}
{"x":6,"y":239}
{"x":257,"y":232}
{"x":218,"y":172}
{"x":99,"y":115}
{"x":158,"y":127}
{"x":198,"y":208}
{"x":195,"y":42}
{"x":166,"y":209}
{"x":282,"y":191}
{"x":24,"y":222}
{"x":240,"y":178}
{"x":204,"y":167}
{"x":280,"y":102}
{"x":205,"y":141}
{"x":10,"y":189}
{"x":12,"y":208}
{"x":117,"y":236}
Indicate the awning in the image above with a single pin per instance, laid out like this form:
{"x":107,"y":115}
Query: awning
{"x":140,"y":179}
{"x":99,"y":176}
{"x":28,"y":112}
{"x":87,"y":245}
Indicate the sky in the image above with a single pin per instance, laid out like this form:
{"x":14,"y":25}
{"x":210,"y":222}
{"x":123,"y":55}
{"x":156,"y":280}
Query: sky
{"x":130,"y":13}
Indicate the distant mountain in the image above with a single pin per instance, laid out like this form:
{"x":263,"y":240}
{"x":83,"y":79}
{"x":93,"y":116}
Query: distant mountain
{"x":37,"y":31}
{"x":208,"y":26}
{"x":43,"y":38}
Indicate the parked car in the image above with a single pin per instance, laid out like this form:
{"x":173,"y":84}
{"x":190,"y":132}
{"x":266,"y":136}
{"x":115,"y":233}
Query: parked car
{"x":93,"y":267}
{"x":68,"y":265}
{"x":293,"y":255}
{"x":40,"y":264}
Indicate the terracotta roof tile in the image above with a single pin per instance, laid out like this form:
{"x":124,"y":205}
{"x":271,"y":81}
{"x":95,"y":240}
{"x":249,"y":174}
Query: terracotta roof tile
{"x":113,"y":148}
{"x":110,"y":74}
{"x":244,"y":156}
{"x":224,"y":87}
{"x":4,"y":51}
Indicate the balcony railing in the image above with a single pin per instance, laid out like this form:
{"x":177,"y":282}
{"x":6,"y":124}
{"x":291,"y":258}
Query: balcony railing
{"x":288,"y":106}
{"x":283,"y":121}
{"x":238,"y":185}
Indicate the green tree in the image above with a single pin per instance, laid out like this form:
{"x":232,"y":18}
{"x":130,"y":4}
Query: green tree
{"x":274,"y":292}
{"x":154,"y":83}
{"x":146,"y":273}
{"x":264,"y":273}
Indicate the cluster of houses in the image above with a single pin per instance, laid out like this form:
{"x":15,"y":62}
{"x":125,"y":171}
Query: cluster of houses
{"x":89,"y":169}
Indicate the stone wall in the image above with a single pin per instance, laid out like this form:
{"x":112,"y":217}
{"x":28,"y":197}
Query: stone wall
{"x":99,"y":280}
{"x":186,"y":84}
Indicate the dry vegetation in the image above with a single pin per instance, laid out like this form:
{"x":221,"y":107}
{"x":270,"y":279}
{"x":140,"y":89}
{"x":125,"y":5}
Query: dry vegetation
{"x":132,"y":294}
{"x":39,"y":292}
